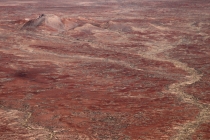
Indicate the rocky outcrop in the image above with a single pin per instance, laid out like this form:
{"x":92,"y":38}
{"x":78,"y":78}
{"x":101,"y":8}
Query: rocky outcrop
{"x":51,"y":21}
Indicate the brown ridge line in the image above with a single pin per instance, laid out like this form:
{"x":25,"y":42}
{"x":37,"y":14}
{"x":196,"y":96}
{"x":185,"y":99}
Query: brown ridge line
{"x":36,"y":51}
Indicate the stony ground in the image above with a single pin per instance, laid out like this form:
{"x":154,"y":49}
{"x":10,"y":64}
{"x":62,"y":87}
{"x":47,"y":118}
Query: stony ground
{"x":127,"y":70}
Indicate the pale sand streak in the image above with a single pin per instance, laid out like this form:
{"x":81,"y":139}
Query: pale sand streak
{"x":187,"y":129}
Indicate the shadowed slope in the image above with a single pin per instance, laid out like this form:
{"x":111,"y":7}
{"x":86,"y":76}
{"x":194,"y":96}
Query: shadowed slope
{"x":34,"y":22}
{"x":51,"y":21}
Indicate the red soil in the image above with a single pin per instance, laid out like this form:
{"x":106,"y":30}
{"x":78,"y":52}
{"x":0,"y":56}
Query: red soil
{"x":119,"y":70}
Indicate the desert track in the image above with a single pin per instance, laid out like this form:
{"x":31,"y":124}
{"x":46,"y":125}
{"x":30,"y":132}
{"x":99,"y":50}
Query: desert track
{"x":176,"y":88}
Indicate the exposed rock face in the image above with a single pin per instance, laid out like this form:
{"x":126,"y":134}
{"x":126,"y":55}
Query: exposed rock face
{"x":34,"y":22}
{"x":48,"y":20}
{"x":54,"y":22}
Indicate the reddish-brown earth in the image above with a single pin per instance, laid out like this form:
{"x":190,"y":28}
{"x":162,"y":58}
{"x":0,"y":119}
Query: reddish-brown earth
{"x":127,"y":70}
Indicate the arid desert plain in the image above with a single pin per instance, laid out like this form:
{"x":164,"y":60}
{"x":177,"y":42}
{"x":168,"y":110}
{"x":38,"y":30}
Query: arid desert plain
{"x":104,"y":70}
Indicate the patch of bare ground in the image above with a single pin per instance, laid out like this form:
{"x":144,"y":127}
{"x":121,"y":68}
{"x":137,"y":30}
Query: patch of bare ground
{"x":14,"y":124}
